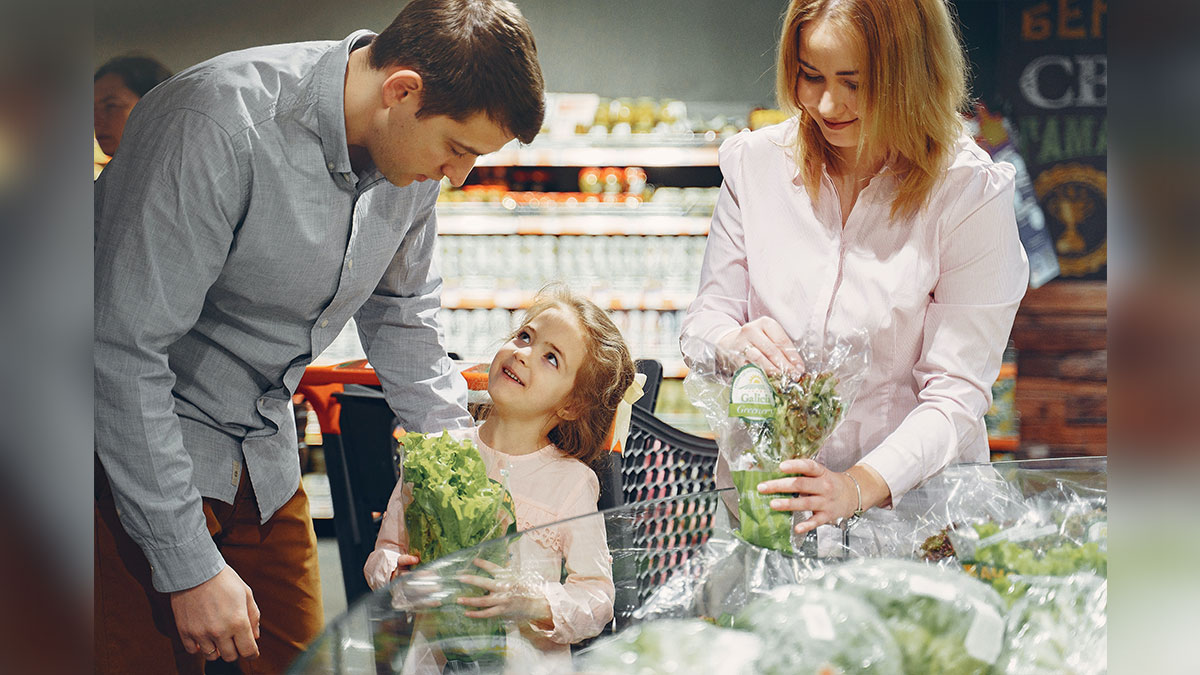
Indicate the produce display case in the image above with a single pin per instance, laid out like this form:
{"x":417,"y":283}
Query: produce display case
{"x":1035,"y":531}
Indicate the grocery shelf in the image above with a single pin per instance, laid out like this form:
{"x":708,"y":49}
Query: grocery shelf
{"x":563,"y":221}
{"x":492,"y":298}
{"x":632,"y":150}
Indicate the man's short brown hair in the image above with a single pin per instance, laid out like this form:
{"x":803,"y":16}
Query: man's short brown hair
{"x":473,"y":56}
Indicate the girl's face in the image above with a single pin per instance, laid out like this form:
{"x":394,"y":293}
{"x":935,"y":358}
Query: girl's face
{"x":532,"y":374}
{"x":830,"y":68}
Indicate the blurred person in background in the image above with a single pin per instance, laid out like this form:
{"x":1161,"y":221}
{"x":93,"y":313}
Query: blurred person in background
{"x":229,"y":173}
{"x":45,"y":405}
{"x":117,"y":86}
{"x":871,"y":208}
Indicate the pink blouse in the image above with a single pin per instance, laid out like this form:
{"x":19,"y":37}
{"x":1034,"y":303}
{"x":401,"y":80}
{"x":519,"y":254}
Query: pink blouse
{"x":547,"y":487}
{"x":937,"y":293}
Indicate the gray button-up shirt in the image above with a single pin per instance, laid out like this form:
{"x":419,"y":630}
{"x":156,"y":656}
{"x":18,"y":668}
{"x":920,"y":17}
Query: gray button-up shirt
{"x":233,"y":242}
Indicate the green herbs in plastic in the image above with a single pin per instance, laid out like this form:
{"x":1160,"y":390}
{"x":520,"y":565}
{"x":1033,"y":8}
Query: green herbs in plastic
{"x":806,"y":410}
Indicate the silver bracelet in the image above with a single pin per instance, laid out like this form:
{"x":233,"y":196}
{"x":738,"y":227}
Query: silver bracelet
{"x":859,"y":511}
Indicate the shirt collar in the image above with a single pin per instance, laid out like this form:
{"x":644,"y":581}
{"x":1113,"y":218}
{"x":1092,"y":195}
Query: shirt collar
{"x":331,"y":101}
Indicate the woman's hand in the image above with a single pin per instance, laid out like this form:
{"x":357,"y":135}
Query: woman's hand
{"x":763,"y":342}
{"x":505,"y":596}
{"x":831,"y":496}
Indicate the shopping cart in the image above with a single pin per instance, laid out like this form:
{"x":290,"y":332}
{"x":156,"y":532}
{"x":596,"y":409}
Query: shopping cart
{"x":360,"y":458}
{"x":660,"y":464}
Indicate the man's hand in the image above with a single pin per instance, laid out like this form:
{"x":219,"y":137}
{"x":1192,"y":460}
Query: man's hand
{"x":218,"y":618}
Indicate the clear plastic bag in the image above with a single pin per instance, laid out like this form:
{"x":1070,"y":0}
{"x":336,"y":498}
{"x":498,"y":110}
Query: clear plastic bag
{"x":811,"y":630}
{"x":673,"y":646}
{"x":943,"y":620}
{"x":760,"y":420}
{"x":1058,"y":625}
{"x":456,"y":506}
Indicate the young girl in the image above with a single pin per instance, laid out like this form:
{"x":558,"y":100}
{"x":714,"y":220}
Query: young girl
{"x":555,"y":386}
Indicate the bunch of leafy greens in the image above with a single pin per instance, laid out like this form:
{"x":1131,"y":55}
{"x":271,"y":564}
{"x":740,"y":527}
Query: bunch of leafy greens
{"x":808,"y":629}
{"x":1006,"y":557}
{"x":806,"y":411}
{"x":1051,"y":555}
{"x":456,"y":506}
{"x":944,"y":621}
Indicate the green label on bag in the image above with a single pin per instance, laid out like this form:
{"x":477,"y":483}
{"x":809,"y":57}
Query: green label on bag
{"x":751,"y":397}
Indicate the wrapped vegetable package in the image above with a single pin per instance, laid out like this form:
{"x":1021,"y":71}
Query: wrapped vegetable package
{"x":455,"y":506}
{"x":808,"y":630}
{"x":673,"y":646}
{"x":1052,"y":537}
{"x":760,"y":420}
{"x":1059,"y":625}
{"x":943,"y":620}
{"x":721,"y":579}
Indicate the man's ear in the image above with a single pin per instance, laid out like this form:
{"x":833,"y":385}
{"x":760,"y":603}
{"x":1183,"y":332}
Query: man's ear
{"x":402,"y":86}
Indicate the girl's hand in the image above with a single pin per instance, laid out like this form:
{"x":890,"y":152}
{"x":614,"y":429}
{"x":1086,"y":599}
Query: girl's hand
{"x":831,"y":496}
{"x":404,"y":562}
{"x":763,"y":342}
{"x":385,"y":564}
{"x":505,"y":597}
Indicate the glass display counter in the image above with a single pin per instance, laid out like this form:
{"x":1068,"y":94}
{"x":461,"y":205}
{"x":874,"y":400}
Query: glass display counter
{"x":1034,"y":531}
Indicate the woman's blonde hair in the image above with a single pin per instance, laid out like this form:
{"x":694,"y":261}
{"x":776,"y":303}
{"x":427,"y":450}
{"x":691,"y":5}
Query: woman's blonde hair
{"x":602,"y":378}
{"x":909,"y":98}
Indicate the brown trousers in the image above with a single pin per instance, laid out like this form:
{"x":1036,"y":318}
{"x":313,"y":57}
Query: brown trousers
{"x":135,"y":627}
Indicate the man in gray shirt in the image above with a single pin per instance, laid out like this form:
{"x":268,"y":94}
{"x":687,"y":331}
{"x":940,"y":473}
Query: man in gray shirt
{"x":257,"y":202}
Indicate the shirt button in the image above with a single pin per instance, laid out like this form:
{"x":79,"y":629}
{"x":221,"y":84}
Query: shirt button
{"x":350,"y":263}
{"x":324,"y":323}
{"x":330,"y":166}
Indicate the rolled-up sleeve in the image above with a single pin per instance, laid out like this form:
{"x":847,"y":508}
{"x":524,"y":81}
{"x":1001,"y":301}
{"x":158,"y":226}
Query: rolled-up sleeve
{"x":166,"y":210}
{"x":982,"y":277}
{"x":399,"y":329}
{"x":392,"y":540}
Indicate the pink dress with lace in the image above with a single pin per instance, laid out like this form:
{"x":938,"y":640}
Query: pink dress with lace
{"x":547,"y":487}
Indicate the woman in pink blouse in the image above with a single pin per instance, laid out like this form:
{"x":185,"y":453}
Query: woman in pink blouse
{"x":870,"y":208}
{"x":555,"y":386}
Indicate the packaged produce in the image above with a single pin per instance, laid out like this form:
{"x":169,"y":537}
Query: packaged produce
{"x":760,"y":420}
{"x":1061,"y":530}
{"x":456,"y":506}
{"x":1027,"y":548}
{"x":1058,"y":626}
{"x":673,"y":646}
{"x":944,"y":621}
{"x":808,"y":630}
